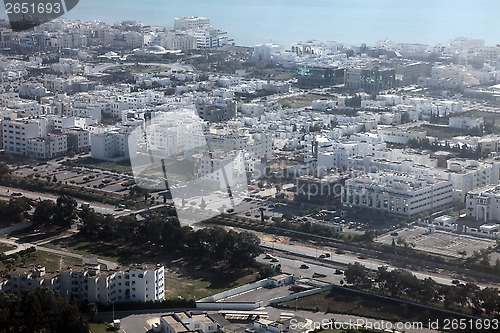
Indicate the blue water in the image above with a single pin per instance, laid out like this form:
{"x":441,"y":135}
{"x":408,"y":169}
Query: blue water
{"x":287,"y":21}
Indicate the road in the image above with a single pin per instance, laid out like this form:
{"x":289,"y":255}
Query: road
{"x":345,"y":259}
{"x":99,"y":207}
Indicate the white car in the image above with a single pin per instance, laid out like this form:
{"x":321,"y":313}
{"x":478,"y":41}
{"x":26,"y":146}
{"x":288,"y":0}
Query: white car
{"x":156,"y":327}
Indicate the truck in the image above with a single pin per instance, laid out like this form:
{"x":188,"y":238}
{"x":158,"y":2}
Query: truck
{"x":116,"y":324}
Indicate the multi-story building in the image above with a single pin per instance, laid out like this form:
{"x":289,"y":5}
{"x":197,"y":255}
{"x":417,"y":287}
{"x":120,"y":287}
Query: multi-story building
{"x":323,"y":192}
{"x":109,"y":146}
{"x":465,"y":122}
{"x":220,"y":169}
{"x":313,"y":77}
{"x":91,"y":284}
{"x":397,"y":135}
{"x":191,"y":23}
{"x":483,"y":203}
{"x":370,"y":79}
{"x":216,"y":110}
{"x":78,"y":140}
{"x":17,"y":133}
{"x":398,"y":194}
{"x":50,"y":146}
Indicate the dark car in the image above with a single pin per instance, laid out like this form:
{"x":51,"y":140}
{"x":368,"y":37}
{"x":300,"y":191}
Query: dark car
{"x":304,"y":266}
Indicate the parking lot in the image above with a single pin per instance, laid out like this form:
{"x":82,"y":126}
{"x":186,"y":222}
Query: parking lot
{"x":439,"y":242}
{"x":78,"y":176}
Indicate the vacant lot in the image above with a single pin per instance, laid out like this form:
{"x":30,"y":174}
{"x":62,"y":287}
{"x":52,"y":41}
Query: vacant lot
{"x":443,"y":243}
{"x":51,"y":262}
{"x":300,"y":101}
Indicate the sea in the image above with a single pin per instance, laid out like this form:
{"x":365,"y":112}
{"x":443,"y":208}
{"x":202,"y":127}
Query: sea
{"x":351,"y":22}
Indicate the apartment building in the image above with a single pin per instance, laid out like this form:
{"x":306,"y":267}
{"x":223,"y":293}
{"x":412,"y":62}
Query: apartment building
{"x":109,"y":146}
{"x":255,"y":144}
{"x":216,"y":109}
{"x":78,"y":140}
{"x":220,"y":169}
{"x":465,"y":122}
{"x":17,"y":133}
{"x":398,"y":194}
{"x":139,"y":283}
{"x":49,"y":146}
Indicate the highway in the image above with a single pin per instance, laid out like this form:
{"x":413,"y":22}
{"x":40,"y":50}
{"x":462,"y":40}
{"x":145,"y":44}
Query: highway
{"x":343,"y":259}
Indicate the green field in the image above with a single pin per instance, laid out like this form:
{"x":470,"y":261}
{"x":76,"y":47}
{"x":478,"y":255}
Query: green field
{"x":99,"y":327}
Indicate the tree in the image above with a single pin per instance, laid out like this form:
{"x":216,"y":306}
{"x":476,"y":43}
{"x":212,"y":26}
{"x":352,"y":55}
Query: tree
{"x":4,"y":169}
{"x":65,"y":211}
{"x":44,"y":213}
{"x":356,"y":274}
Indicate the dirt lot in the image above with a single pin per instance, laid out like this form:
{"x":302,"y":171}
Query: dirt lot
{"x":439,"y":242}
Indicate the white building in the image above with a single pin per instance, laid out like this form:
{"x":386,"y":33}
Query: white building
{"x":184,"y":321}
{"x":91,"y":284}
{"x":50,"y":146}
{"x":191,"y":23}
{"x":398,"y":193}
{"x":396,"y":135}
{"x":223,"y":169}
{"x":465,"y":122}
{"x":109,"y":146}
{"x":484,"y":203}
{"x":17,"y":133}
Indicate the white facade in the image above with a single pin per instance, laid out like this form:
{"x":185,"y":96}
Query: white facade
{"x":50,"y":146}
{"x":484,"y":203}
{"x":221,"y":169}
{"x":465,"y":122}
{"x":109,"y":146}
{"x":396,"y":135}
{"x":399,"y":194}
{"x":17,"y":133}
{"x":137,"y":284}
{"x":191,"y":23}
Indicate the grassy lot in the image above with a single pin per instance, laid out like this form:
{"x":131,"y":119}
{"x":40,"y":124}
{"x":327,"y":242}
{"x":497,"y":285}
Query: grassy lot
{"x":135,"y":69}
{"x":189,"y":284}
{"x":344,"y":302}
{"x":301,"y":101}
{"x":6,"y":247}
{"x":51,"y":262}
{"x":108,"y":251}
{"x":99,"y":327}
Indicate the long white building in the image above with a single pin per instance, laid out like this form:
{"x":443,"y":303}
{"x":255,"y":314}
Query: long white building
{"x":91,"y":284}
{"x":398,"y":193}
